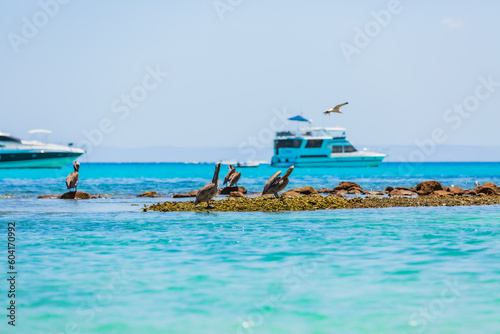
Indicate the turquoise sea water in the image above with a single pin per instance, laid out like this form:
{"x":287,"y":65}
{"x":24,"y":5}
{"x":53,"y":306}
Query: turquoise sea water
{"x":103,"y":266}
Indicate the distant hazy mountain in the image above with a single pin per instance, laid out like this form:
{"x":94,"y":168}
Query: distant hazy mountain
{"x":210,"y":154}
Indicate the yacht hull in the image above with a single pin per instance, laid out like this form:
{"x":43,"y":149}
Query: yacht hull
{"x":41,"y":160}
{"x":334,"y":162}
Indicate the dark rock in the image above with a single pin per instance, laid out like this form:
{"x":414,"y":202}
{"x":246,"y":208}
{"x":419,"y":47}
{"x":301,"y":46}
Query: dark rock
{"x":428,"y":187}
{"x":181,"y":196}
{"x":149,"y":194}
{"x":236,"y":194}
{"x":401,"y":193}
{"x":355,"y":191}
{"x":487,"y":190}
{"x":228,"y":190}
{"x":308,"y":190}
{"x":469,"y":192}
{"x":377,"y":193}
{"x":389,"y":189}
{"x":455,"y":190}
{"x":75,"y":195}
{"x":49,"y":196}
{"x":403,"y":188}
{"x":291,"y":193}
{"x":347,"y":186}
{"x":440,"y":193}
{"x":192,"y":193}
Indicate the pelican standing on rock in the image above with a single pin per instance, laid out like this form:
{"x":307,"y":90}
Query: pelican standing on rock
{"x":234,"y":178}
{"x":277,"y":183}
{"x":336,"y":109}
{"x":229,"y":174}
{"x":209,"y":191}
{"x":72,"y":179}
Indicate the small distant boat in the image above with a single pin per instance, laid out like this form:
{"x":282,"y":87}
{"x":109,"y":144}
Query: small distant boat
{"x":247,"y":164}
{"x":17,"y":153}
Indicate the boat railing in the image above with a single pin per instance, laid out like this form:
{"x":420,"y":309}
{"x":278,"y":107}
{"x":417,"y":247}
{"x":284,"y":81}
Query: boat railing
{"x":285,"y":134}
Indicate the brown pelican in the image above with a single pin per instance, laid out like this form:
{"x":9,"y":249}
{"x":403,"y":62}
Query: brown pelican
{"x":276,"y":183}
{"x":209,"y":191}
{"x":229,"y":174}
{"x":234,"y":178}
{"x":336,"y":109}
{"x":72,"y":179}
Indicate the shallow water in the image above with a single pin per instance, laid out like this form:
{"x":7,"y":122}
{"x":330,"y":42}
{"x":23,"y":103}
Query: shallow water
{"x":103,"y":266}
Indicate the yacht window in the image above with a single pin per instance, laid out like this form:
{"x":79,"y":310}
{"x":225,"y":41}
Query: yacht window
{"x":314,"y":143}
{"x":288,"y":143}
{"x":337,"y":149}
{"x":8,"y":138}
{"x":348,"y":149}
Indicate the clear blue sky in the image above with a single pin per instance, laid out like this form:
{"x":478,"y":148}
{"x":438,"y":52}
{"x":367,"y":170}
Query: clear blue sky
{"x":225,"y":76}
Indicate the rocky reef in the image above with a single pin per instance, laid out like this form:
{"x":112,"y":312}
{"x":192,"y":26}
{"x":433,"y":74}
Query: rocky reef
{"x":73,"y":195}
{"x":428,"y":193}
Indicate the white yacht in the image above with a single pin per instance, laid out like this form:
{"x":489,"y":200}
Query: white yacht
{"x":16,"y":153}
{"x":319,"y":147}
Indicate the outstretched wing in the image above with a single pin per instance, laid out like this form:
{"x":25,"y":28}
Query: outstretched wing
{"x":228,"y":175}
{"x":272,"y":180}
{"x":337,"y":107}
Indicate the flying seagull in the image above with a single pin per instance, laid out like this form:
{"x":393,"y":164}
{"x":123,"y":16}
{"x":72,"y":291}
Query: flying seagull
{"x":336,"y":109}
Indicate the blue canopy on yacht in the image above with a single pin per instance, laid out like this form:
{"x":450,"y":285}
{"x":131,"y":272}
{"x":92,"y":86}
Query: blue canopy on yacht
{"x":299,"y":118}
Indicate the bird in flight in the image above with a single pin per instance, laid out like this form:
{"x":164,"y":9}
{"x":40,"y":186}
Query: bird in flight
{"x":336,"y":109}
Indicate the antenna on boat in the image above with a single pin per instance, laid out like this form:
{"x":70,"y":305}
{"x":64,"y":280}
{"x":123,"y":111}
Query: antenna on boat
{"x":299,"y":118}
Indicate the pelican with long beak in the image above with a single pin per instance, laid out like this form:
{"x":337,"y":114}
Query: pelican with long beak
{"x":277,"y":183}
{"x":336,"y":109}
{"x":72,"y":179}
{"x":234,"y":178}
{"x":229,"y":174}
{"x":209,"y":191}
